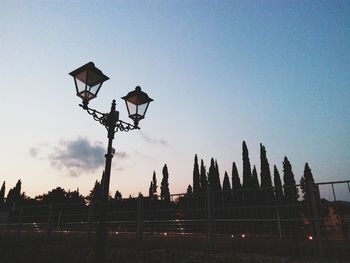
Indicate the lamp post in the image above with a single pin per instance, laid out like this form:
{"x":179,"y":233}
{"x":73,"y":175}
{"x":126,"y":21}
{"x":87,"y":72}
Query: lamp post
{"x":88,"y":80}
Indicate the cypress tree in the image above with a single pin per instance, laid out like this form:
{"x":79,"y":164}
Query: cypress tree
{"x":278,"y":186}
{"x":203,"y":178}
{"x":236,"y":186}
{"x":154,"y":185}
{"x":164,"y":188}
{"x":2,"y":195}
{"x":196,"y":176}
{"x":265,"y":175}
{"x":14,"y":196}
{"x":226,"y":186}
{"x":255,"y":186}
{"x":96,"y":192}
{"x":150,"y":190}
{"x":226,"y":190}
{"x":211,"y":175}
{"x":255,"y":181}
{"x":307,"y":183}
{"x":247,"y":175}
{"x":290,"y":190}
{"x":217,"y":177}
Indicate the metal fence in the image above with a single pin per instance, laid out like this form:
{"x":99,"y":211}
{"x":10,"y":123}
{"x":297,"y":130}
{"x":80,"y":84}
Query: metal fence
{"x":317,"y":223}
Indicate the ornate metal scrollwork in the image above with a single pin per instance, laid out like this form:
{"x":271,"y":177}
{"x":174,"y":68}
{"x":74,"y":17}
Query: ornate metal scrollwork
{"x":102,"y":119}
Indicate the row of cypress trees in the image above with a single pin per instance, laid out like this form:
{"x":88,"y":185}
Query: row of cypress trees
{"x":250,"y":191}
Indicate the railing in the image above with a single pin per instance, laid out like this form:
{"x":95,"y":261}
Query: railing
{"x":250,"y":220}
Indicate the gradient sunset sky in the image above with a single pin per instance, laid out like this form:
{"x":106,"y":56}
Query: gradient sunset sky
{"x":220,"y":72}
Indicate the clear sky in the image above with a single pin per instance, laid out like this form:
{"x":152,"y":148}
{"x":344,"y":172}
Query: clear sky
{"x":220,"y":72}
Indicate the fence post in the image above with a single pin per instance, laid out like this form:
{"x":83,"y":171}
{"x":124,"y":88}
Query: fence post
{"x":210,"y":209}
{"x":49,"y":219}
{"x":59,"y":220}
{"x":139,"y":230}
{"x":315,"y":218}
{"x":19,"y":224}
{"x":88,"y":227}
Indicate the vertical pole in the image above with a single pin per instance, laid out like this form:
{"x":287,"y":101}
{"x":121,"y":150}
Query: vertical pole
{"x":19,"y":224}
{"x":111,"y":122}
{"x":335,"y":198}
{"x":49,"y":217}
{"x":88,"y":227}
{"x":210,"y":221}
{"x":59,"y":221}
{"x":279,"y":224}
{"x":139,"y":229}
{"x":312,"y":187}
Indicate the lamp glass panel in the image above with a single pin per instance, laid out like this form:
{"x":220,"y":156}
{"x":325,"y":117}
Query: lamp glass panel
{"x":142,"y":109}
{"x":80,"y":84}
{"x":132,"y":108}
{"x":94,"y":89}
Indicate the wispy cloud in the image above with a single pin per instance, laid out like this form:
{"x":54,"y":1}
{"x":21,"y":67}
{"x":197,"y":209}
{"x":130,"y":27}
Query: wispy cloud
{"x":33,"y":152}
{"x":77,"y":156}
{"x":153,"y":141}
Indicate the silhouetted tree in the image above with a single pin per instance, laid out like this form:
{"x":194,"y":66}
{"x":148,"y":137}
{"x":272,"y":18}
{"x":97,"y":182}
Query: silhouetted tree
{"x":118,"y":195}
{"x":196,"y":176}
{"x":56,"y":196}
{"x":96,"y":192}
{"x":2,"y":195}
{"x":255,"y":187}
{"x":278,"y":186}
{"x":307,"y":184}
{"x":214,"y":177}
{"x":203,"y":178}
{"x":75,"y":197}
{"x":150,"y":189}
{"x":247,"y":175}
{"x":14,"y":196}
{"x":236,"y":186}
{"x":164,"y":188}
{"x":153,"y":187}
{"x":217,"y":177}
{"x":226,"y":190}
{"x":265,"y":175}
{"x":189,"y":191}
{"x":290,"y":190}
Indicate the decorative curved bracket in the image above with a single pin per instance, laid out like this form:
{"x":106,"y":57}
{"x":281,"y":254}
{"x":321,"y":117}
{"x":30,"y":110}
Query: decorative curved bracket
{"x":102,"y":118}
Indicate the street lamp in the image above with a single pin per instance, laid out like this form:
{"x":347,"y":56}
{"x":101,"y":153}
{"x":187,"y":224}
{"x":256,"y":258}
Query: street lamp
{"x":88,"y":80}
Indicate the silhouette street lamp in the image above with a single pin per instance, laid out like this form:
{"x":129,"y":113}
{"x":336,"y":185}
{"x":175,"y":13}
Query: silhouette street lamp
{"x":88,"y":80}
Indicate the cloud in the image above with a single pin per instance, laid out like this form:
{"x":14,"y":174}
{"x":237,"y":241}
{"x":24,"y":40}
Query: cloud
{"x":78,"y":156}
{"x":33,"y":152}
{"x":153,"y":141}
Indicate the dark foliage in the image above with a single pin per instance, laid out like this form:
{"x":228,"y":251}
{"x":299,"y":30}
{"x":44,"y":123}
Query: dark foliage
{"x":290,"y":190}
{"x":265,"y":175}
{"x":196,"y":176}
{"x":278,"y":186}
{"x":226,"y":191}
{"x":236,"y":186}
{"x":2,"y":195}
{"x":247,"y":176}
{"x":203,"y":178}
{"x":164,"y":188}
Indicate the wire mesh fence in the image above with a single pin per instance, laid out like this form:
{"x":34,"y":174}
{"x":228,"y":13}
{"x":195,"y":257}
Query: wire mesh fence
{"x":315,"y":222}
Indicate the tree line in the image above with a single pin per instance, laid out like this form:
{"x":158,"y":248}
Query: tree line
{"x":247,"y":192}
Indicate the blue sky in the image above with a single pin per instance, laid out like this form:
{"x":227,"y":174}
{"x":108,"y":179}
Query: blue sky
{"x":220,"y":72}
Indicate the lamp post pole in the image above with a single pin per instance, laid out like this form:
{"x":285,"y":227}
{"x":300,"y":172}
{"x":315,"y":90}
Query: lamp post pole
{"x":88,"y":80}
{"x":111,"y":122}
